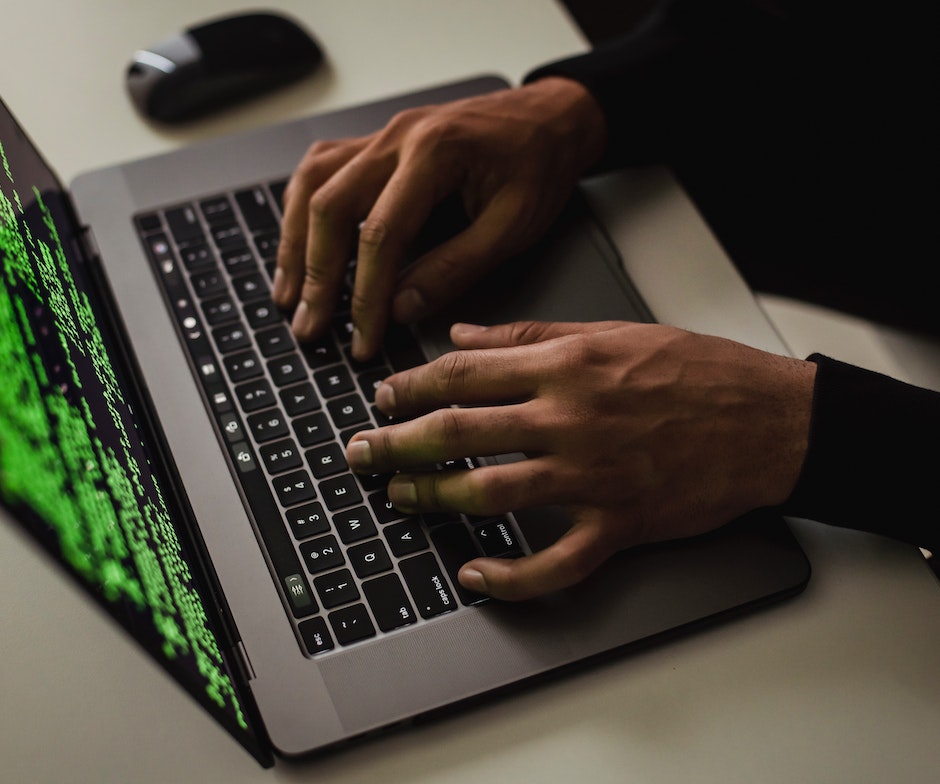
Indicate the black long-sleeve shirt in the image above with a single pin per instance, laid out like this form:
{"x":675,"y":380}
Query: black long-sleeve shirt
{"x":815,"y":127}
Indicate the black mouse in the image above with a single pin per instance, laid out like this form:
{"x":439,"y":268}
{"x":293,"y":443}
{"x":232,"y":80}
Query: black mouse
{"x":219,"y":63}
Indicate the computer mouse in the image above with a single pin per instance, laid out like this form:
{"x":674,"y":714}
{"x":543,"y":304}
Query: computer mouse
{"x":219,"y":63}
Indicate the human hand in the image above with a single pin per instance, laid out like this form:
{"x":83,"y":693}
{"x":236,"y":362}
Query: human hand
{"x":643,"y":432}
{"x":513,"y":157}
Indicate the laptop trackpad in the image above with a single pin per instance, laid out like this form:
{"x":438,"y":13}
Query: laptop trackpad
{"x":573,"y":274}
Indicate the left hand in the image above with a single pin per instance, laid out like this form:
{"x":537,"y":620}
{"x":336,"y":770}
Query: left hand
{"x":643,"y":432}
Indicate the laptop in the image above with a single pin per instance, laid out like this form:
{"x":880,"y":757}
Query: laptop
{"x":164,"y":437}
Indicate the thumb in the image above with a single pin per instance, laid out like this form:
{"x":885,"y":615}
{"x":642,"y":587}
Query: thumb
{"x":568,"y":561}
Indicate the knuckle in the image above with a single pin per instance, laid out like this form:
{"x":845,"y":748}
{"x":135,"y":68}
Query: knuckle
{"x":447,"y":427}
{"x":375,"y":233}
{"x":525,"y":332}
{"x":321,"y":206}
{"x":453,"y":370}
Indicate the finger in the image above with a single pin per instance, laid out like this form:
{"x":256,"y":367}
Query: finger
{"x":335,"y":211}
{"x":466,"y":378}
{"x":446,"y":434}
{"x":568,"y":561}
{"x":521,"y":333}
{"x":487,"y":490}
{"x":384,"y":237}
{"x":321,"y":161}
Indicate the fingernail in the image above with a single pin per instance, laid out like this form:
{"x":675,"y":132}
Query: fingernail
{"x":468,"y":329}
{"x":357,"y":345}
{"x":472,"y":580}
{"x":302,"y":323}
{"x":385,"y":398}
{"x":409,"y":306}
{"x":277,"y":284}
{"x":359,"y":455}
{"x":403,"y":494}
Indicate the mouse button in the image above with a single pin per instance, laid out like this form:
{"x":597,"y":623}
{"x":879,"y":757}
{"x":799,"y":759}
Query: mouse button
{"x":254,"y":42}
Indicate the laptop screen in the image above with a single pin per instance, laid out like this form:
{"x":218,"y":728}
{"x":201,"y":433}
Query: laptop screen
{"x":77,"y":465}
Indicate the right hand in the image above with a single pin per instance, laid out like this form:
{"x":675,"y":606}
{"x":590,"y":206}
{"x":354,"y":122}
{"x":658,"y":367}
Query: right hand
{"x":513,"y":156}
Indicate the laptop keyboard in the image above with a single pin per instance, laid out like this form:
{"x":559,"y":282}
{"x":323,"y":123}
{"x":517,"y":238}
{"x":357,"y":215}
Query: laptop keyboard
{"x":348,"y":565}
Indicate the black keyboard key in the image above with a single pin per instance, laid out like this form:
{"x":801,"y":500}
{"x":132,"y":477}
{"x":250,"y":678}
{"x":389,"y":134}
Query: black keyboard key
{"x":267,"y":425}
{"x":298,"y":593}
{"x":274,"y":341}
{"x":402,"y":348}
{"x":340,"y":491}
{"x":455,"y":547}
{"x":254,"y":207}
{"x":196,"y":256}
{"x":384,"y":511}
{"x":369,"y":558}
{"x":372,"y":482}
{"x":347,"y":411}
{"x":406,"y":537}
{"x":347,"y":434}
{"x":251,"y":286}
{"x":369,"y":381}
{"x":231,"y":337}
{"x":343,"y":329}
{"x":320,"y":353}
{"x":322,"y":554}
{"x":333,"y":381}
{"x":217,"y":210}
{"x":239,"y":260}
{"x":148,"y":223}
{"x":208,"y":284}
{"x":277,"y":191}
{"x":294,"y":488}
{"x":219,"y":310}
{"x":428,"y":585}
{"x":184,"y":224}
{"x":307,"y":520}
{"x":287,"y":370}
{"x":232,"y":428}
{"x":255,"y":395}
{"x":316,"y":636}
{"x":299,"y":399}
{"x":280,"y":456}
{"x":243,"y":366}
{"x":266,"y":243}
{"x":262,"y":314}
{"x":327,"y":460}
{"x":389,"y":603}
{"x":498,"y":539}
{"x":227,"y":235}
{"x":351,"y":624}
{"x":336,"y":588}
{"x":354,"y":525}
{"x":313,"y":429}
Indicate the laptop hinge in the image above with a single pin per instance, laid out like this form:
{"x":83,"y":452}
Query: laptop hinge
{"x":85,"y":244}
{"x":246,"y":671}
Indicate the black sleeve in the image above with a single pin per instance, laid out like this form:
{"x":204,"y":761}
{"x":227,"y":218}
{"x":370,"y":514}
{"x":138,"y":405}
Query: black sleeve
{"x":693,"y":70}
{"x":874,"y":456}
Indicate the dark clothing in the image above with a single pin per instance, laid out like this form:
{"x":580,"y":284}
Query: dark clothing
{"x":807,"y":136}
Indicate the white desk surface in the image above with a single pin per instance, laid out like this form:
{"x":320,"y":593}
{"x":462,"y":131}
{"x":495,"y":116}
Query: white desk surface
{"x":841,"y":684}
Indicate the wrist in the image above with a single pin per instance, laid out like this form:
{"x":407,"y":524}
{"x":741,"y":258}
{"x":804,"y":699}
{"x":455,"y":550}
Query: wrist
{"x":574,"y":114}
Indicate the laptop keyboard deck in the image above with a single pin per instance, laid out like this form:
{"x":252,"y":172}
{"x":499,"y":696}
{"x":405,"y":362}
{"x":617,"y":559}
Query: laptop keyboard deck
{"x":348,"y":565}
